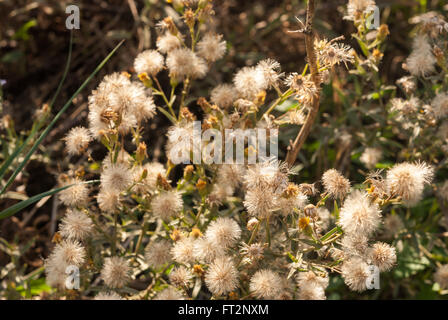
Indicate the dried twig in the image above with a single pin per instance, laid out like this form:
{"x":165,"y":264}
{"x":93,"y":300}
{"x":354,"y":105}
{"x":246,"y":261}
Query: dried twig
{"x":294,"y":148}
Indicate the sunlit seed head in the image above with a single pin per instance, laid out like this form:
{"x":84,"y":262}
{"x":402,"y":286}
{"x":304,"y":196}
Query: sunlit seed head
{"x":116,"y":272}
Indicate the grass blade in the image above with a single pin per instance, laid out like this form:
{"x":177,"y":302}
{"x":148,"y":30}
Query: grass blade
{"x":56,"y":118}
{"x":23,"y":204}
{"x":18,"y":150}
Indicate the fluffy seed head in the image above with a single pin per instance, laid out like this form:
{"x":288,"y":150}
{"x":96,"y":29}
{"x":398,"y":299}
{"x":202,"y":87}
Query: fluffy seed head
{"x":222,"y":276}
{"x":149,"y":61}
{"x":440,"y":105}
{"x":116,"y":177}
{"x":67,"y":253}
{"x":211,"y":47}
{"x":249,"y":81}
{"x":167,"y":204}
{"x":157,"y":254}
{"x":183,"y":63}
{"x":223,"y":232}
{"x":370,"y":157}
{"x":421,"y":62}
{"x":265,"y":284}
{"x":182,"y":251}
{"x":108,"y":200}
{"x":108,"y":296}
{"x":168,"y":42}
{"x":115,"y":272}
{"x":407,"y":181}
{"x":76,"y":225}
{"x":181,"y":277}
{"x":335,"y":183}
{"x":355,"y":244}
{"x":392,"y":225}
{"x":77,"y":140}
{"x":223,"y":95}
{"x":359,"y":215}
{"x":205,"y":251}
{"x":169,"y":294}
{"x":76,"y":195}
{"x":271,"y":71}
{"x":355,"y":273}
{"x":312,"y":278}
{"x":309,"y":291}
{"x":383,"y":256}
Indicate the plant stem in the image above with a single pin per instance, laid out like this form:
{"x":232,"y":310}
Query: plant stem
{"x":312,"y":61}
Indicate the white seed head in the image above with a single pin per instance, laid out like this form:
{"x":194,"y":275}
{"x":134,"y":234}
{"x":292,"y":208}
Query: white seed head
{"x":76,"y":225}
{"x":149,"y":61}
{"x":157,"y":254}
{"x":116,"y":272}
{"x":222,"y":276}
{"x":358,"y":215}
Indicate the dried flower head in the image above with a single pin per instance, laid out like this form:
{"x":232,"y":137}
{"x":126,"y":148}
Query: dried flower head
{"x":223,"y":95}
{"x":183,"y":63}
{"x":183,"y":250}
{"x":355,"y":273}
{"x":149,"y":61}
{"x":181,"y":277}
{"x":169,"y":294}
{"x":304,"y":88}
{"x":116,"y":177}
{"x":76,"y":195}
{"x":407,"y":181}
{"x":359,"y":215}
{"x":265,"y":284}
{"x":76,"y":225}
{"x":108,"y":296}
{"x":157,"y":254}
{"x":223,"y":232}
{"x":221,"y":277}
{"x":383,"y":256}
{"x":211,"y":47}
{"x":77,"y":140}
{"x":116,"y":272}
{"x":335,"y":184}
{"x":167,"y":204}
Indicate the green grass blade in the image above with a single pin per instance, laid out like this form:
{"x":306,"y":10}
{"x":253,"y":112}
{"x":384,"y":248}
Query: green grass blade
{"x":23,"y":204}
{"x":18,"y":150}
{"x":56,"y":118}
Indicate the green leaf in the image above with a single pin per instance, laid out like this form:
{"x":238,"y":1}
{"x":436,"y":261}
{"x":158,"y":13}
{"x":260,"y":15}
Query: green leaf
{"x":166,"y":113}
{"x":336,"y":210}
{"x":287,"y":105}
{"x":330,"y":233}
{"x":23,"y":204}
{"x":36,"y":287}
